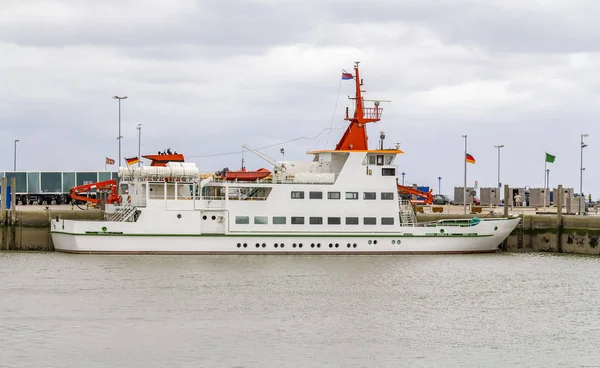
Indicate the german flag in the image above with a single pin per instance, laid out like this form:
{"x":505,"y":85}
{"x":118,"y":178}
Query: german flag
{"x":470,"y":159}
{"x":132,"y":161}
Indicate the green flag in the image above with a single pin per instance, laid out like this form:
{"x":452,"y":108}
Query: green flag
{"x":549,"y":157}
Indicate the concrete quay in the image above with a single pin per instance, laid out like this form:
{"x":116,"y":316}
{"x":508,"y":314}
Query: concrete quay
{"x":28,"y":229}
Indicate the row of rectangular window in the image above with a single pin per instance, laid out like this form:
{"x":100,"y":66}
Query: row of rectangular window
{"x":298,"y":220}
{"x":337,"y":195}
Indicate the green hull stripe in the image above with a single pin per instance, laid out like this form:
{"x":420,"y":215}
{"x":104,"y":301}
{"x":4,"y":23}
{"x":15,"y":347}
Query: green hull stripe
{"x":429,"y":235}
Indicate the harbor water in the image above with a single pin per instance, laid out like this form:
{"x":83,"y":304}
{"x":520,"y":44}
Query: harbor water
{"x":506,"y":309}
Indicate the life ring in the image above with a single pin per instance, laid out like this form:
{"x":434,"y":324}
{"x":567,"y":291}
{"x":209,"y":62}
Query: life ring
{"x":128,"y":199}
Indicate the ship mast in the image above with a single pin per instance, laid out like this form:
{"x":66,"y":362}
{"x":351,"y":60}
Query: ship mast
{"x":355,"y":137}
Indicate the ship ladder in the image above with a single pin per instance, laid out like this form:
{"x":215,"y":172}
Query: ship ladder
{"x":124,"y":213}
{"x":407,"y":214}
{"x":520,"y":234}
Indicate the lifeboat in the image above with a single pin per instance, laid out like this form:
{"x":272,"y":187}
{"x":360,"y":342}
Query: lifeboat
{"x":244,"y":175}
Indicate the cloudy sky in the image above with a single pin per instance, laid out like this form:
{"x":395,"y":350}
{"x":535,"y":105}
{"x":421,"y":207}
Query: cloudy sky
{"x":205,"y":77}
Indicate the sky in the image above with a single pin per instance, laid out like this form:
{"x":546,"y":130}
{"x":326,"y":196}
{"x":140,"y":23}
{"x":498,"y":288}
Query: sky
{"x":205,"y":77}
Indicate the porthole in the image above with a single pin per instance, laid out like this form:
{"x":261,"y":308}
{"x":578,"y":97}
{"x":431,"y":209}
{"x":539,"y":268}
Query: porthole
{"x":204,"y":217}
{"x":312,"y":245}
{"x":282,"y":245}
{"x":264,"y":245}
{"x":294,"y":245}
{"x":337,"y":245}
{"x":245,"y":245}
{"x":318,"y":245}
{"x":495,"y":228}
{"x":348,"y":245}
{"x":276,"y":245}
{"x":398,"y":242}
{"x":441,"y":231}
{"x":257,"y":245}
{"x":393,"y":242}
{"x":214,"y":217}
{"x":370,"y":242}
{"x":179,"y":215}
{"x":374,"y":241}
{"x":300,"y":245}
{"x":239,"y":245}
{"x":354,"y":245}
{"x":330,"y":245}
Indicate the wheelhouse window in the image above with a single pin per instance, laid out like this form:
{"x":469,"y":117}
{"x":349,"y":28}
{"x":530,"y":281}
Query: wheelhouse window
{"x":370,"y":221}
{"x":387,"y":195}
{"x":316,"y":220}
{"x":333,"y":195}
{"x":351,"y":195}
{"x":351,"y":220}
{"x":297,"y":195}
{"x":297,"y":220}
{"x":388,"y":171}
{"x":387,"y":220}
{"x":369,"y":195}
{"x":278,"y":220}
{"x":315,"y":195}
{"x":334,"y":221}
{"x":242,"y":220}
{"x":261,"y":220}
{"x":369,"y":160}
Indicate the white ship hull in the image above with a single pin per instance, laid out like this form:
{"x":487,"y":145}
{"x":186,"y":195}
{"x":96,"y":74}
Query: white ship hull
{"x":484,"y":237}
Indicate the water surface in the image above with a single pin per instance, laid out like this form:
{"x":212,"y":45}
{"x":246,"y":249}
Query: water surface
{"x":63,"y":310}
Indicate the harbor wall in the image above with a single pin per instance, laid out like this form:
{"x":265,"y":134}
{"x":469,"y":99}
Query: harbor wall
{"x":30,"y":231}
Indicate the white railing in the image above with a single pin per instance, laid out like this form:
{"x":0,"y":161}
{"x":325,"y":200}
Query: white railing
{"x":407,"y":213}
{"x":126,"y":211}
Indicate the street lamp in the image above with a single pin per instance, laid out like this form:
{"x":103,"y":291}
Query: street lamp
{"x":581,"y":168}
{"x":403,"y":173}
{"x":499,"y":183}
{"x":439,"y":185}
{"x":139,"y":128}
{"x":15,"y":156}
{"x":119,"y":137}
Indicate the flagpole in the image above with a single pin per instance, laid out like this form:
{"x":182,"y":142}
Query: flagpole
{"x":465,"y":178}
{"x":545,"y":184}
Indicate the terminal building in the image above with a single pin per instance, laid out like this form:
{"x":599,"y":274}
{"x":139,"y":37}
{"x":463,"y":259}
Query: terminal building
{"x":47,"y":187}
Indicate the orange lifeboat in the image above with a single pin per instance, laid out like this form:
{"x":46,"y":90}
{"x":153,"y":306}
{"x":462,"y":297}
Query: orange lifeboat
{"x":245,"y":175}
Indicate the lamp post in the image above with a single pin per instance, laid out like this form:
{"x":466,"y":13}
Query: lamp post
{"x":119,"y":137}
{"x":581,"y":168}
{"x":403,"y":173}
{"x":499,"y":183}
{"x":465,"y":172}
{"x":15,"y":156}
{"x":439,"y":185}
{"x":139,"y":128}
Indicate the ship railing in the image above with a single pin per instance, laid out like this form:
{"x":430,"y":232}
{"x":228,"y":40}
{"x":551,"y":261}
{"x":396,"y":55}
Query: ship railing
{"x":274,"y":181}
{"x":407,"y":213}
{"x":372,"y":112}
{"x":127,"y":210}
{"x":247,"y":198}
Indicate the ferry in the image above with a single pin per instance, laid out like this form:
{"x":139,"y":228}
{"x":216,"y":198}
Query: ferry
{"x":342,"y":201}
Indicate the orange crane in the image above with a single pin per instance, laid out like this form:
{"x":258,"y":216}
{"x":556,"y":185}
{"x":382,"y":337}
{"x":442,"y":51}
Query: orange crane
{"x":109,"y":186}
{"x":427,"y":196}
